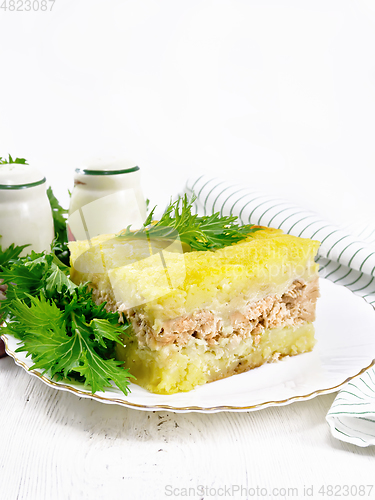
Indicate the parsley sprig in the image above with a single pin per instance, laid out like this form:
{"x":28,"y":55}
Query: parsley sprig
{"x":10,"y":254}
{"x":60,"y":326}
{"x":202,"y":233}
{"x":4,"y":161}
{"x":60,"y":243}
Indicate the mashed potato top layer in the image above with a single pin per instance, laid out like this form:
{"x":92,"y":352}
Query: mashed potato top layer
{"x":157,"y":278}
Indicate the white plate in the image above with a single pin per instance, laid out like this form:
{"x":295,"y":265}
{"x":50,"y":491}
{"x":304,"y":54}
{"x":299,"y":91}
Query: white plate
{"x":345,"y":329}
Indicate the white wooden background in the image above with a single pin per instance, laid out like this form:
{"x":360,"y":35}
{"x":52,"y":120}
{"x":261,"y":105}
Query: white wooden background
{"x":55,"y":445}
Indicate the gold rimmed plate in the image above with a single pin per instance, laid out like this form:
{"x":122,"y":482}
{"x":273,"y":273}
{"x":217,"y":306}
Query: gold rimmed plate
{"x":345,"y":329}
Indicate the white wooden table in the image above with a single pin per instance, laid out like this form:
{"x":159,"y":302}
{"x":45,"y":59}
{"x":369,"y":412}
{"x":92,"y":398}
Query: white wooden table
{"x":55,"y":445}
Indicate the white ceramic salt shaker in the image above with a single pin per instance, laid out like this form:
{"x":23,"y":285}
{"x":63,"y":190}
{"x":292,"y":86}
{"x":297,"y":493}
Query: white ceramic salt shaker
{"x":107,"y":197}
{"x":25,"y":211}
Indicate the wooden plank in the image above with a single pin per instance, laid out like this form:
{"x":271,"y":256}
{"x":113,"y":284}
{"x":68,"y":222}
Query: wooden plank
{"x":58,"y":446}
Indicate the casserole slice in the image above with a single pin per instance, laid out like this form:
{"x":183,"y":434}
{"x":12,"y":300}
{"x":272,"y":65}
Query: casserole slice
{"x":200,"y":316}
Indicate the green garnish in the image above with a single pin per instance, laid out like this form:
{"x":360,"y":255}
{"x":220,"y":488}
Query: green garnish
{"x":60,"y":326}
{"x":10,"y":254}
{"x":4,"y":161}
{"x":209,"y":232}
{"x":60,"y":244}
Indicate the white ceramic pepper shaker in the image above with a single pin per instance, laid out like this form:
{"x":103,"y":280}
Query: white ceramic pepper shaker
{"x":25,"y":211}
{"x":107,"y":197}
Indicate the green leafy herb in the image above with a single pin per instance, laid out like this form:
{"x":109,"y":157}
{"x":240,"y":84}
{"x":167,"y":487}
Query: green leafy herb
{"x":65,"y":343}
{"x":209,"y":232}
{"x":10,"y":254}
{"x":4,"y":161}
{"x":64,"y":331}
{"x":57,"y":280}
{"x":60,"y":244}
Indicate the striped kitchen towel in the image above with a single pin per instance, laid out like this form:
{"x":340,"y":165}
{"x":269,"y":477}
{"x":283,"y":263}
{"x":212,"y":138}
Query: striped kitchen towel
{"x":344,"y":258}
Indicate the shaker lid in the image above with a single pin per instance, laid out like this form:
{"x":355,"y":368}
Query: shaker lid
{"x":108,"y":166}
{"x":19,"y":176}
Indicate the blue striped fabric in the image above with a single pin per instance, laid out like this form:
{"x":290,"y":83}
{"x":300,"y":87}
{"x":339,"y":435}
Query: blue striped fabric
{"x":344,"y":258}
